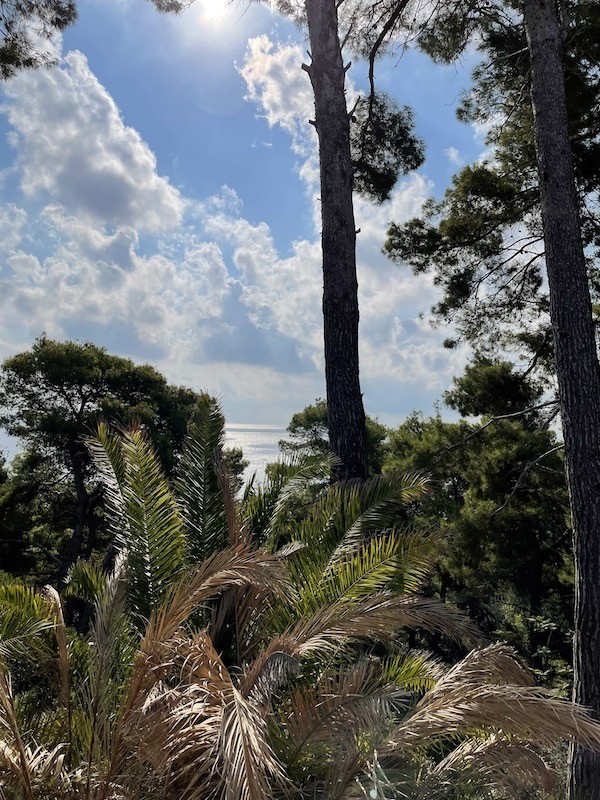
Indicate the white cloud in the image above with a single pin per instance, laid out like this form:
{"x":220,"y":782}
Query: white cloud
{"x":119,"y":249}
{"x":101,"y":279}
{"x":12,"y":222}
{"x":74,"y":147}
{"x":453,"y":155}
{"x":277,"y":83}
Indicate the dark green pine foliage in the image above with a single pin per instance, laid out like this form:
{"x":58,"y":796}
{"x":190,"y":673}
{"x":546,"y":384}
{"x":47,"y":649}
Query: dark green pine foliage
{"x":499,"y":496}
{"x":22,"y":24}
{"x":51,"y":398}
{"x":309,"y":435}
{"x":383,"y":145}
{"x":483,"y":240}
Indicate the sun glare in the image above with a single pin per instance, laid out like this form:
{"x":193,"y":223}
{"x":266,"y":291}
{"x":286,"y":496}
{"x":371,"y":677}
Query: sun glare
{"x":213,"y":10}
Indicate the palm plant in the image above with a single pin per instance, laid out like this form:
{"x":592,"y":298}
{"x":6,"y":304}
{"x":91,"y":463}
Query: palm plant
{"x":274,"y":666}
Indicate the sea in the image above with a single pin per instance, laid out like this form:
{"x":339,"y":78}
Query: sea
{"x":259,"y":444}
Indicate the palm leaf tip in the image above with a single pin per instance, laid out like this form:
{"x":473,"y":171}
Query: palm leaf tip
{"x":475,"y":696}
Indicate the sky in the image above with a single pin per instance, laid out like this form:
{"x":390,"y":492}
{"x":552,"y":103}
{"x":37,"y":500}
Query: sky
{"x":159,"y":197}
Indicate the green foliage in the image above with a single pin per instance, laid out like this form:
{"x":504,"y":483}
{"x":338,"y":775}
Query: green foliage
{"x":500,"y":494}
{"x":52,"y":397}
{"x":492,"y":387}
{"x":57,"y":392}
{"x":383,"y":146}
{"x":296,"y":697}
{"x":198,"y":484}
{"x":308,"y":431}
{"x":148,"y":525}
{"x":483,"y":241}
{"x":25,"y":21}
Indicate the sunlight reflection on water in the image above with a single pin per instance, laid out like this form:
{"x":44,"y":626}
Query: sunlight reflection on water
{"x":259,"y":443}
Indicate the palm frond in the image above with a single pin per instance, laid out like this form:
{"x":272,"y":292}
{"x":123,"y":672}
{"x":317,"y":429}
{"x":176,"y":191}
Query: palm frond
{"x":60,"y":631}
{"x":198,"y":487}
{"x":110,"y":653}
{"x":16,"y":752}
{"x":349,"y":512}
{"x":378,"y":617}
{"x":413,"y":671}
{"x":85,"y":580}
{"x":107,"y":453}
{"x":24,"y":616}
{"x":383,"y":499}
{"x":398,"y":560}
{"x":202,"y":730}
{"x":493,"y":764}
{"x":222,"y":571}
{"x":149,"y":527}
{"x":272,"y":511}
{"x":467,"y":700}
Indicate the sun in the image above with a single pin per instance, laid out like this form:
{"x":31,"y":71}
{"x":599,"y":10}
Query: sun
{"x":213,"y":10}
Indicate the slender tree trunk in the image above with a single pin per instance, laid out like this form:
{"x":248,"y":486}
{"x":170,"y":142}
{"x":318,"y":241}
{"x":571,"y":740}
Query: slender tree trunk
{"x":577,"y":367}
{"x":347,"y":432}
{"x":75,"y":548}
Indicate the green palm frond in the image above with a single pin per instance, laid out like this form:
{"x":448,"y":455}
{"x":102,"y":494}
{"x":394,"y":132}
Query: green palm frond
{"x":348,"y":513}
{"x":399,"y":560}
{"x":271,"y":510}
{"x":107,"y":453}
{"x":149,"y":526}
{"x":85,"y":580}
{"x":396,"y":561}
{"x":198,"y":487}
{"x":412,"y":671}
{"x":111,"y":651}
{"x":24,"y":616}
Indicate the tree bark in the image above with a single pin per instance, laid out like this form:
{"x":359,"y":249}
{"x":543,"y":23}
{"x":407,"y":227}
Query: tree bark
{"x":76,"y":543}
{"x":347,"y":432}
{"x":577,"y":367}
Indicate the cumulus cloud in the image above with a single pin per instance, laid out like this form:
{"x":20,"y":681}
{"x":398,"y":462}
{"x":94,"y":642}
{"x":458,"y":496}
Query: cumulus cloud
{"x":102,"y":279}
{"x":117,"y":254}
{"x":74,"y":146}
{"x":286,"y":293}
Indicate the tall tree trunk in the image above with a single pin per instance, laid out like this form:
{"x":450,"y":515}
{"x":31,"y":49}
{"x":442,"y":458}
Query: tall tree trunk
{"x":76,"y":543}
{"x":577,"y":367}
{"x":347,"y":432}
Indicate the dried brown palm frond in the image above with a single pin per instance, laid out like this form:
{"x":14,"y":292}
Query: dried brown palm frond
{"x":526,"y":712}
{"x":222,"y":571}
{"x":491,"y":764}
{"x":203,"y":731}
{"x":380,"y":617}
{"x":60,"y":631}
{"x":342,"y":705}
{"x":270,"y":670}
{"x":16,"y":751}
{"x":497,"y":663}
{"x":235,"y":567}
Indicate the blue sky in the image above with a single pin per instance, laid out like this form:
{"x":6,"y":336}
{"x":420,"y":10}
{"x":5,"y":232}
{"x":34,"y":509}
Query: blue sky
{"x":160,"y":198}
